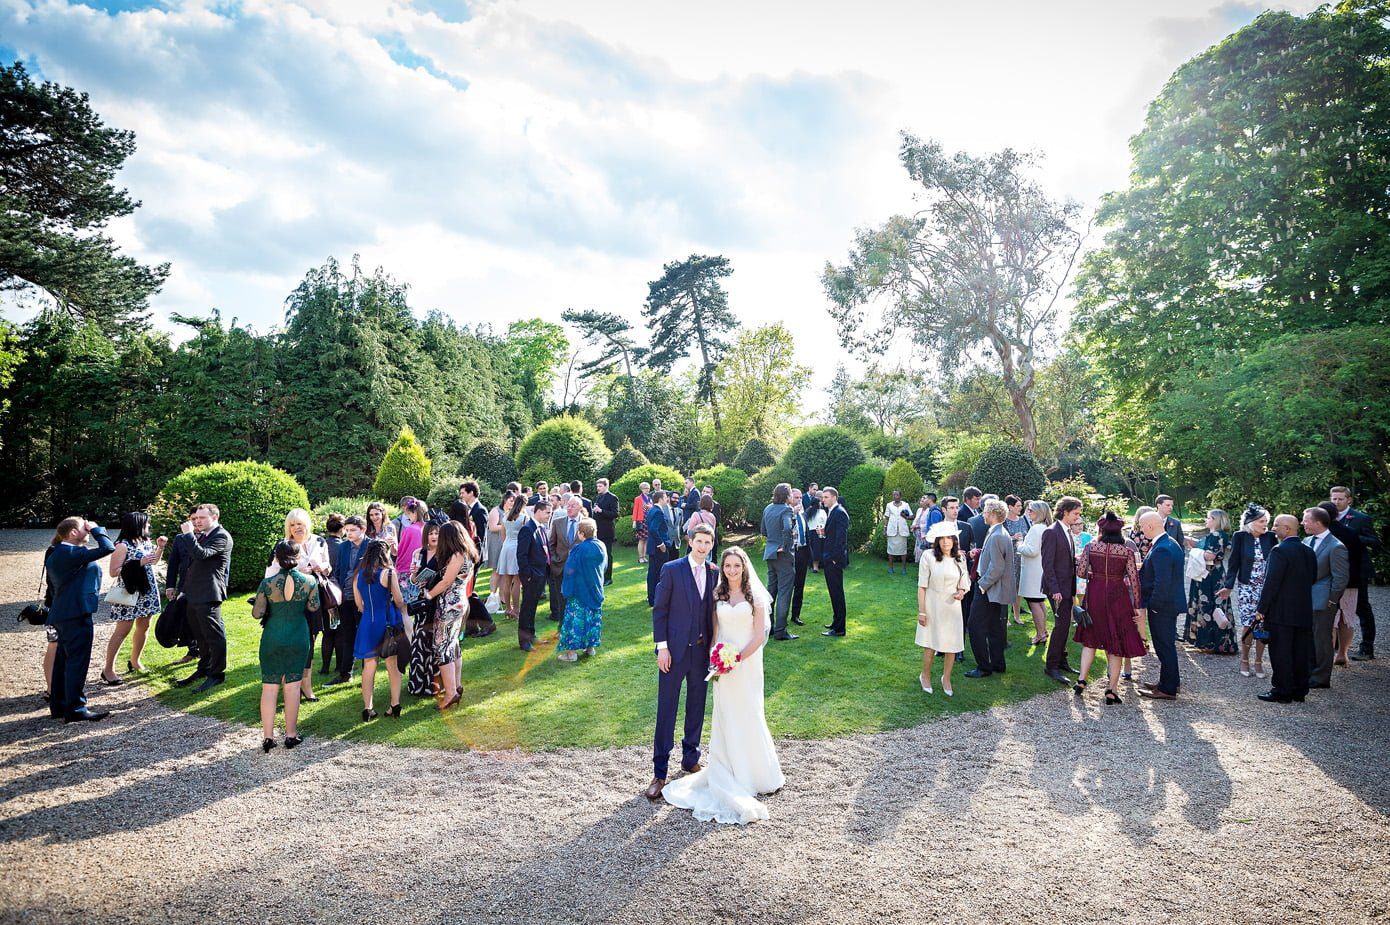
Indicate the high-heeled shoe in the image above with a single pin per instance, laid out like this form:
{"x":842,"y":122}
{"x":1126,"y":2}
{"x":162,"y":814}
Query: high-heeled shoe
{"x":1259,"y":669}
{"x":368,"y":714}
{"x":945,"y":689}
{"x":292,"y":741}
{"x":1111,"y":697}
{"x":109,"y":682}
{"x":308,"y":698}
{"x":1245,"y":668}
{"x":926,"y":685}
{"x":1037,"y":642}
{"x":394,"y":711}
{"x":1079,"y":687}
{"x":452,"y":701}
{"x":267,"y":745}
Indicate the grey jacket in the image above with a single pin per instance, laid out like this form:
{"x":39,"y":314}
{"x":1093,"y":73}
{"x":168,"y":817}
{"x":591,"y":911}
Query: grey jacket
{"x":206,"y":565}
{"x":999,"y":567}
{"x":1334,"y":571}
{"x":779,"y":526}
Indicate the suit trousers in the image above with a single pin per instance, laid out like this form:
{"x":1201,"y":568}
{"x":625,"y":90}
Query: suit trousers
{"x":781,"y":577}
{"x":212,"y":639}
{"x":1324,"y":646}
{"x":1061,"y":633}
{"x":557,"y":597}
{"x":690,"y":669}
{"x":70,"y":664}
{"x":348,"y":619}
{"x":1367,"y":618}
{"x":835,"y":587}
{"x":1163,"y":636}
{"x":655,"y":561}
{"x":607,"y":565}
{"x":803,"y":563}
{"x":986,"y":628}
{"x":329,"y":646}
{"x":1290,"y":648}
{"x":531,"y":587}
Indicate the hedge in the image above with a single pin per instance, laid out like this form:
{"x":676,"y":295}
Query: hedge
{"x":903,"y":476}
{"x":628,"y":487}
{"x":253,"y":499}
{"x":757,"y":494}
{"x":756,"y":454}
{"x":347,"y":506}
{"x":824,"y":455}
{"x":1009,"y":469}
{"x":729,"y":484}
{"x":861,"y":492}
{"x":489,"y":461}
{"x":572,"y":445}
{"x":624,"y":461}
{"x":404,"y":470}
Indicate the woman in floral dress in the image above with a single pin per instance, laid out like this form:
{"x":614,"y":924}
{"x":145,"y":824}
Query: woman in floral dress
{"x":1204,"y":630}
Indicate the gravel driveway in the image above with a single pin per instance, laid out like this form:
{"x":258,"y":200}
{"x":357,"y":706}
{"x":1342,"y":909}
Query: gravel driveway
{"x":1214,"y":808}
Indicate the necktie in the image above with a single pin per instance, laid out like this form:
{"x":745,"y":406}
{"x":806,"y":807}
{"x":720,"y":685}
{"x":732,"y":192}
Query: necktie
{"x":700,"y":580}
{"x":545,"y":551}
{"x":571,"y":531}
{"x":800,"y":530}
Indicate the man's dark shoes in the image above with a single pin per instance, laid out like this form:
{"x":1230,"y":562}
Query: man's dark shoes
{"x":798,"y":621}
{"x":184,"y":682}
{"x":1271,"y":697}
{"x":978,"y":673}
{"x":784,"y":636}
{"x":207,"y":685}
{"x":342,"y":679}
{"x":1056,"y":675}
{"x":832,"y":633}
{"x":1066,"y":667}
{"x":1320,"y":687}
{"x":85,"y":715}
{"x":653,"y":792}
{"x":1362,"y":657}
{"x":1154,"y":693}
{"x":526,"y":645}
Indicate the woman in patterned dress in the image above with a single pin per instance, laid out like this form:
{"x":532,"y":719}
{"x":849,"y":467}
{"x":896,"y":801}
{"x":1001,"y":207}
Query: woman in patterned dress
{"x":1245,"y":575}
{"x":1203,"y":630}
{"x":458,"y":554}
{"x":639,"y":520}
{"x":582,"y":587}
{"x":133,"y":542}
{"x":1112,"y":600}
{"x":422,"y":663}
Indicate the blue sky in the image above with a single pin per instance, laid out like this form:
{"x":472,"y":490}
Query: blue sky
{"x":510,"y":160}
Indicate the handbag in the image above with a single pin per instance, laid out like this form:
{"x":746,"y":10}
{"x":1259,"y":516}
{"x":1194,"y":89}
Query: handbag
{"x":1082,"y":618}
{"x":494,"y":603}
{"x":118,"y":594}
{"x":392,"y":641}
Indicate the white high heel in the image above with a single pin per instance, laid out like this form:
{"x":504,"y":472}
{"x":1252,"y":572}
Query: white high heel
{"x":926,"y":685}
{"x":946,"y":690}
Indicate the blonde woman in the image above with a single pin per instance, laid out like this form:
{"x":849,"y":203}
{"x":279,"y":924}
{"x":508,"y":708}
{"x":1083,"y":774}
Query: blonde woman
{"x":1039,"y":517}
{"x":313,"y":560}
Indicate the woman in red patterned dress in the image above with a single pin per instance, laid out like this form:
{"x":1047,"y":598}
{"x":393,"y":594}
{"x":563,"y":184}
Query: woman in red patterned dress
{"x":1112,"y":600}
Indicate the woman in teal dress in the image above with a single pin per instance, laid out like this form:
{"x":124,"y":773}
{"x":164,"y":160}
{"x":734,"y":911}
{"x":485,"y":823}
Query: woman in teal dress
{"x":582,"y":587}
{"x":1203,"y":630}
{"x":283,"y":603}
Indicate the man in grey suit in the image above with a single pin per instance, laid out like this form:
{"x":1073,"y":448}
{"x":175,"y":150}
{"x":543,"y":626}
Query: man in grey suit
{"x":998,"y":587}
{"x":1334,"y":572}
{"x":206,"y":549}
{"x":779,"y":554}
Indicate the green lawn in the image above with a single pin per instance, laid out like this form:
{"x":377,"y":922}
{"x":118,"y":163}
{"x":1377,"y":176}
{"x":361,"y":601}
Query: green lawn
{"x":817,"y":687}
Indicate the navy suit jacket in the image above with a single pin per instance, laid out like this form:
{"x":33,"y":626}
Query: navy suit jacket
{"x":692,"y":501}
{"x":680,"y":615}
{"x":531,"y":561}
{"x":1173,"y":527}
{"x":75,"y":577}
{"x":1161,"y":578}
{"x":1058,"y":561}
{"x":835,"y":549}
{"x":1287,"y":598}
{"x":1360,"y":522}
{"x":658,"y":529}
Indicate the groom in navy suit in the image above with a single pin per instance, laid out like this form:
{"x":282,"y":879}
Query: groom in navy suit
{"x":682,"y":625}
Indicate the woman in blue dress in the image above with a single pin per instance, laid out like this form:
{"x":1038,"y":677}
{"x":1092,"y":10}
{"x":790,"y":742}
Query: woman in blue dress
{"x":1204,"y":630}
{"x":582,"y":587}
{"x":377,"y":591}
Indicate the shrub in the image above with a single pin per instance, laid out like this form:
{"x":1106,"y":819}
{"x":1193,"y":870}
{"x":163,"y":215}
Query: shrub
{"x":540,"y":470}
{"x":884,"y":445}
{"x":1093,"y":504}
{"x":623,"y":534}
{"x":960,"y":452}
{"x":756,"y":454}
{"x":954,"y":482}
{"x":348,"y":506}
{"x":405,"y":469}
{"x":757,"y":494}
{"x":253,"y":498}
{"x":490,"y":462}
{"x":923,"y":459}
{"x":861,"y":492}
{"x":572,"y":445}
{"x":628,"y":487}
{"x":445,"y":492}
{"x":728,"y":484}
{"x":824,"y":455}
{"x":902,"y":475}
{"x":1009,"y":469}
{"x":624,"y":461}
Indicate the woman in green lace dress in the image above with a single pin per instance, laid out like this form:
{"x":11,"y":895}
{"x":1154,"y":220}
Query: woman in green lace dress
{"x":283,"y":602}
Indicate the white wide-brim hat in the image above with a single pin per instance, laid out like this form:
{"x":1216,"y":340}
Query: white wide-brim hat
{"x":943,"y":528}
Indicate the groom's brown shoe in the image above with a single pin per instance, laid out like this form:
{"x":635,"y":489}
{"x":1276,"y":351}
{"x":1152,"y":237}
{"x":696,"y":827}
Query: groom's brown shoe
{"x":691,"y":770}
{"x":654,"y":788}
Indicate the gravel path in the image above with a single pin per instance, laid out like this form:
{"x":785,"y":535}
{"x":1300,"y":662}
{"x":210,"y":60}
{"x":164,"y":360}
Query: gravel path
{"x":1214,"y":808}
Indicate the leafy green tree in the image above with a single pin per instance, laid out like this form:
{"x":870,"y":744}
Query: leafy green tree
{"x":536,"y":348}
{"x":861,"y":492}
{"x":983,"y":263}
{"x":612,"y":335}
{"x":688,"y":307}
{"x":404,"y":470}
{"x":57,"y":166}
{"x":490,"y":461}
{"x":657,"y":417}
{"x":756,"y":454}
{"x":624,"y":461}
{"x":1258,"y":205}
{"x":761,"y":384}
{"x":903,"y":477}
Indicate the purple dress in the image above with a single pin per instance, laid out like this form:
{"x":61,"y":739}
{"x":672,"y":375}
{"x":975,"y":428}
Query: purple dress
{"x":1112,"y":596}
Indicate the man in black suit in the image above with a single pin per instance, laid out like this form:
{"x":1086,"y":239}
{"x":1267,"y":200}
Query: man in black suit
{"x":542,"y":494}
{"x":207,"y":549}
{"x":801,"y":551}
{"x":577,"y":490}
{"x":1360,"y":523}
{"x":467,"y":508}
{"x":690,"y":502}
{"x":604,"y":511}
{"x":75,"y":577}
{"x":533,"y":567}
{"x":350,"y":553}
{"x":1171,"y":525}
{"x":970,"y":501}
{"x":172,"y":577}
{"x":1286,"y":607}
{"x":835,"y":558}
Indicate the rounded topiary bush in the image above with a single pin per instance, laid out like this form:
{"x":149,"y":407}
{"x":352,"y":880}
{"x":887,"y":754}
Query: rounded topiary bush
{"x":728,"y":484}
{"x":253,"y":499}
{"x":1009,"y":469}
{"x":903,"y":476}
{"x":757,"y":494}
{"x":628,"y":487}
{"x":349,"y":506}
{"x":540,"y":470}
{"x":824,"y":455}
{"x":489,"y":461}
{"x":861,"y":492}
{"x":572,"y":445}
{"x":757,"y":454}
{"x":405,"y":469}
{"x":627,"y":458}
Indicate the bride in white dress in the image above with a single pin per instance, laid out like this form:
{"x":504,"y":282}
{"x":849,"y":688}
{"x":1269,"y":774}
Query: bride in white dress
{"x":742,"y":761}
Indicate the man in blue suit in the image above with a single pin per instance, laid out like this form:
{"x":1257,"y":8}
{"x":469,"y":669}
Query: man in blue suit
{"x":658,"y":542}
{"x":533,"y":567}
{"x":1162,"y":598}
{"x":682,"y":628}
{"x":835,"y":559}
{"x":75,"y":577}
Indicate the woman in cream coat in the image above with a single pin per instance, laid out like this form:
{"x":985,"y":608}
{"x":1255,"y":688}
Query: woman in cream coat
{"x":942,"y":580}
{"x":1030,"y":575}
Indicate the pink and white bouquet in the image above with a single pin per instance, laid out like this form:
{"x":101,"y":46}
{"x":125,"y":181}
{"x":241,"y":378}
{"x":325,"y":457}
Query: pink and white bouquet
{"x":722,"y":660}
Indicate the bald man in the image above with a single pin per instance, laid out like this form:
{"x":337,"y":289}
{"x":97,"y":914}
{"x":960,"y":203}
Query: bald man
{"x":1162,"y":599}
{"x":1286,"y":607}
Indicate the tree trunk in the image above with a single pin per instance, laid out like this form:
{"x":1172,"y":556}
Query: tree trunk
{"x":1026,"y":422}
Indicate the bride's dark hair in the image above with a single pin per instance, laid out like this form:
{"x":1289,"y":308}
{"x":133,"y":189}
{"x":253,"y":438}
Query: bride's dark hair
{"x":721,"y":590}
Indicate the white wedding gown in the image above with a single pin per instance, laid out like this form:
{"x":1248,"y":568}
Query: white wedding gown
{"x":742,"y":761}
